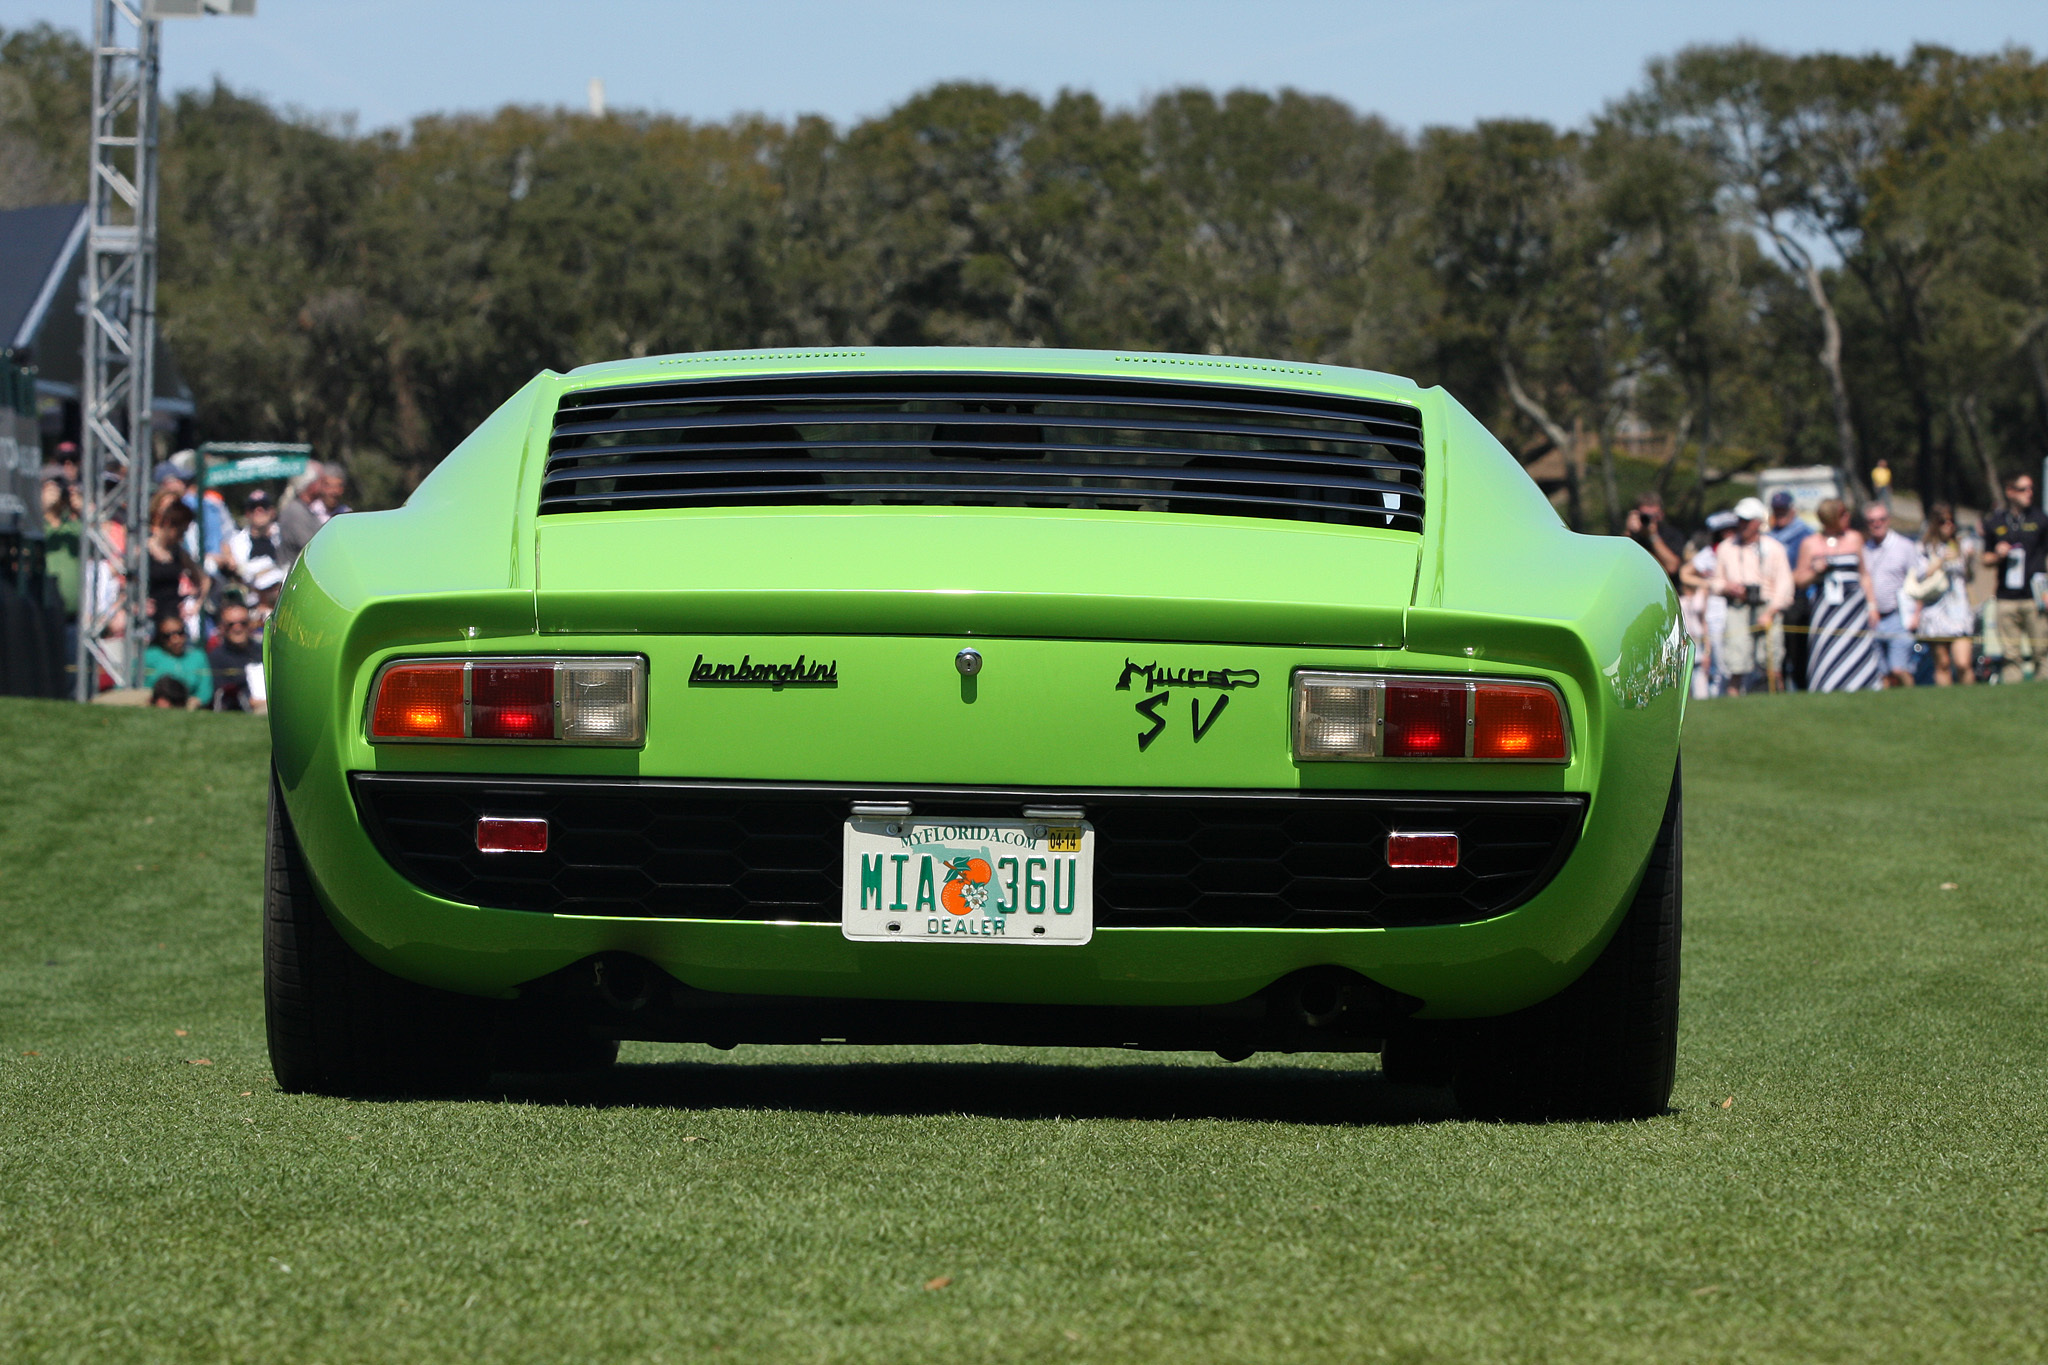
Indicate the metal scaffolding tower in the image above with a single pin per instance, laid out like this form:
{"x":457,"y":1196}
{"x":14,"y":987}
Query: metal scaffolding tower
{"x":118,"y":449}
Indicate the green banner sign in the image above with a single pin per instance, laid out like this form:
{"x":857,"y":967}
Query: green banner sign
{"x":252,"y":461}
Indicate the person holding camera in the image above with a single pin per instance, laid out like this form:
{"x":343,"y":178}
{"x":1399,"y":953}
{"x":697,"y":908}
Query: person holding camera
{"x":1752,"y":573}
{"x":1646,"y":527}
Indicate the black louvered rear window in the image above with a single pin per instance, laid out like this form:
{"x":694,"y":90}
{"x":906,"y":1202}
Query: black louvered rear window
{"x":987,"y":440}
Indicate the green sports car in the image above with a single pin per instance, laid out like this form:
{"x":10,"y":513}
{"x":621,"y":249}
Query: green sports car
{"x":1021,"y":697}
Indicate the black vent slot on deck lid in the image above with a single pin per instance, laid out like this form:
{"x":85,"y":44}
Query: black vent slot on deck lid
{"x":977,"y":440}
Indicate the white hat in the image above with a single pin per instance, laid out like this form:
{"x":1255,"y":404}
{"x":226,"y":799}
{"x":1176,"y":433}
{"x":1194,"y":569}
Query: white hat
{"x":1750,"y":509}
{"x":266,"y":579}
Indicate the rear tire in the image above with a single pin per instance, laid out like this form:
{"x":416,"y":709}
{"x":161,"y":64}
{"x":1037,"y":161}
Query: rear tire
{"x":338,"y":1025}
{"x":1606,"y":1047}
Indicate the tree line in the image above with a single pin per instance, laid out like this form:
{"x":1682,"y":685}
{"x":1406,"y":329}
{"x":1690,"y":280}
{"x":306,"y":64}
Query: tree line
{"x":1753,"y":258}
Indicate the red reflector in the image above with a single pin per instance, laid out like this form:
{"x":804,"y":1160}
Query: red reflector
{"x":1422,"y":850}
{"x":1425,"y":720}
{"x":1517,"y":720}
{"x":516,"y":702}
{"x":419,"y":701}
{"x":511,"y":834}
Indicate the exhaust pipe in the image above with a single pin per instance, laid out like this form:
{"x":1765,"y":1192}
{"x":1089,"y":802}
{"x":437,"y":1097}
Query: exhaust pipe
{"x":1321,"y":998}
{"x":623,"y":981}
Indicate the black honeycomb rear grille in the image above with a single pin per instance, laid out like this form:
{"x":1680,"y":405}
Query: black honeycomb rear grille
{"x":987,"y":440}
{"x":761,"y":851}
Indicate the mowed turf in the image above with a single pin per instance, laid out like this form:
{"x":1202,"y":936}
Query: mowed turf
{"x":1853,"y":1169}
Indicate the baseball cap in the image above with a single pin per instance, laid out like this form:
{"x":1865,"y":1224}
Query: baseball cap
{"x":1749,"y":509}
{"x":166,"y":470}
{"x":1781,"y":501}
{"x":267,"y":579}
{"x":1721,"y":521}
{"x":257,"y":498}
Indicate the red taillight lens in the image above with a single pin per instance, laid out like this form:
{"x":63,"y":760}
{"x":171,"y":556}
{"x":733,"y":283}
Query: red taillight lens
{"x":419,"y":701}
{"x":1422,"y":850}
{"x":1516,"y":720}
{"x":511,"y":834}
{"x":1425,"y":720}
{"x":513,"y":702}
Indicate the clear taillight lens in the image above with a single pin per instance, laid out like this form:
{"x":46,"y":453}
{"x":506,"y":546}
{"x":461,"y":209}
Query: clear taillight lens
{"x":530,"y":701}
{"x":603,"y":704}
{"x":1335,"y":716}
{"x":1347,"y":717}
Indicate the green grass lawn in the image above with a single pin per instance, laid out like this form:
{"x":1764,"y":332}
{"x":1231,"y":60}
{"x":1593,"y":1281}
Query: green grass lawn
{"x":1853,"y":1171}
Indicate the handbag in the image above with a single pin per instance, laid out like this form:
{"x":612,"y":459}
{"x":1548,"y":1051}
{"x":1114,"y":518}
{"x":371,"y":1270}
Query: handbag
{"x":1932,"y":588}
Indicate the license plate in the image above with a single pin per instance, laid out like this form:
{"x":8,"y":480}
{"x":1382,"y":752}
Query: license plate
{"x":968,"y":881}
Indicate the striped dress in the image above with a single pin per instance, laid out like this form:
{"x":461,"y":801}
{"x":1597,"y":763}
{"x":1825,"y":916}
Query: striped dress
{"x":1844,"y":656}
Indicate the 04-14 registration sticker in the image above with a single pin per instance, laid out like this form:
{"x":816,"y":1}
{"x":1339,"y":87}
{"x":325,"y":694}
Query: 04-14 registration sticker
{"x":968,"y":881}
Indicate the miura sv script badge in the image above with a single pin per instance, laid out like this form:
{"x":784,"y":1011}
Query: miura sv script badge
{"x":1159,"y":684}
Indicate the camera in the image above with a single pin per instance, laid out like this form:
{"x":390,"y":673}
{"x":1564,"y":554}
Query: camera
{"x":1752,"y":595}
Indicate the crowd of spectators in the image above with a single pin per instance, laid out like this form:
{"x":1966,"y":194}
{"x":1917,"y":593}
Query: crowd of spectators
{"x":211,"y":577}
{"x":1771,"y":601}
{"x":1774,"y":602}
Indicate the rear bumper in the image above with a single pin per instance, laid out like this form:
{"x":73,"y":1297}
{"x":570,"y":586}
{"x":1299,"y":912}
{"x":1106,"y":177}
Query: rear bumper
{"x":650,"y":848}
{"x":1469,"y":968}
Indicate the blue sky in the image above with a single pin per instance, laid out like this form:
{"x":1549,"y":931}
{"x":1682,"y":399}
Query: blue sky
{"x":1417,"y":62}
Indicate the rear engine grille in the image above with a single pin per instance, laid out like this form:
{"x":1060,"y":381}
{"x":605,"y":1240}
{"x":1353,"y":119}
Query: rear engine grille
{"x":987,"y":440}
{"x":757,"y":851}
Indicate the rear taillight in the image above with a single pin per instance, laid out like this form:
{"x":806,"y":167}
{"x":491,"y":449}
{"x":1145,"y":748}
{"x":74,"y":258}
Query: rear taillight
{"x":1517,"y":720}
{"x":512,"y":701}
{"x":419,"y":701}
{"x":1422,"y":720}
{"x":523,"y":701}
{"x":1346,"y":717}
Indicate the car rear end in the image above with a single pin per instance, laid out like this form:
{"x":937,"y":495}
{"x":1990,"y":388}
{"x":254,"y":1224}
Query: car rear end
{"x":968,"y":696}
